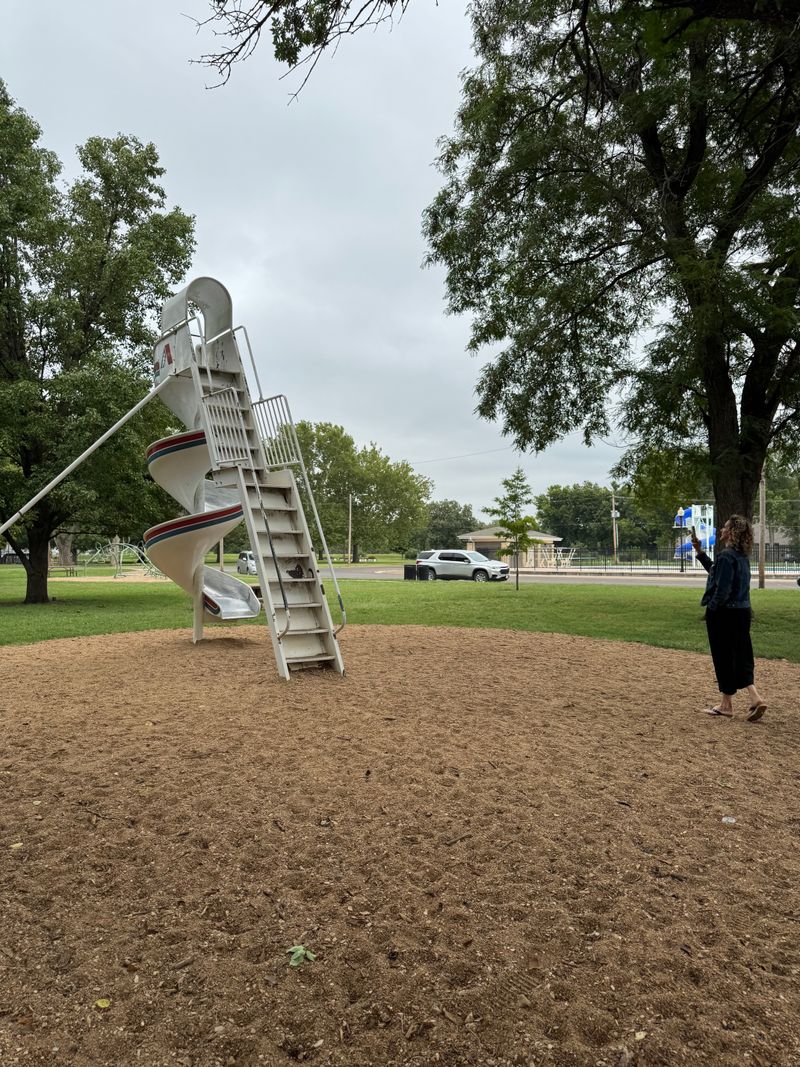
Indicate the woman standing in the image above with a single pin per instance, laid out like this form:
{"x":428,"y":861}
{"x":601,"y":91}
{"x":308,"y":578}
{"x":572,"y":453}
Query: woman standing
{"x":728,"y":615}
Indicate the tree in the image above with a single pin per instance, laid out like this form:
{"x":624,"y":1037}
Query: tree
{"x":445,"y":520}
{"x":579,"y":514}
{"x":81,"y":271}
{"x":616,"y":166}
{"x":388,"y":502}
{"x":331,"y":462}
{"x":514,"y":523}
{"x":782,"y":491}
{"x":387,"y":499}
{"x":302,"y":29}
{"x":661,"y":481}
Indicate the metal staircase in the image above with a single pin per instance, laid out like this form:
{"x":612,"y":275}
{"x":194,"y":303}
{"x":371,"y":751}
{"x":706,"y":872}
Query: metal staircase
{"x":254,"y":453}
{"x":253,"y":447}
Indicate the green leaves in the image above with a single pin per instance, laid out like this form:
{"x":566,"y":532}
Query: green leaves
{"x":388,"y":498}
{"x":300,"y":954}
{"x":81,"y":274}
{"x":515,"y":524}
{"x":300,"y":29}
{"x":614,"y":167}
{"x":446,"y":520}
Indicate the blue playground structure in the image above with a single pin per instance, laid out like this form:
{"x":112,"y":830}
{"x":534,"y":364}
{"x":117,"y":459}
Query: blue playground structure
{"x":701,"y":516}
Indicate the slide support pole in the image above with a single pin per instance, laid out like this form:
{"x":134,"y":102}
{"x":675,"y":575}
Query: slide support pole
{"x":197,"y":630}
{"x":83,"y":456}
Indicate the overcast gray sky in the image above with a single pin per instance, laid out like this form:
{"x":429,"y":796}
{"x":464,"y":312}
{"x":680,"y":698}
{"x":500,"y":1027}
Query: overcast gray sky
{"x":308,"y":211}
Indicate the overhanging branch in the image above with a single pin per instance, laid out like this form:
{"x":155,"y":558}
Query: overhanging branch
{"x":244,"y":21}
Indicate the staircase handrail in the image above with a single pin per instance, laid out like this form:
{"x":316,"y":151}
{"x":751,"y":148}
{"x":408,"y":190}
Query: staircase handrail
{"x":281,"y":586}
{"x":241,"y":462}
{"x":291,"y":454}
{"x":295,"y":456}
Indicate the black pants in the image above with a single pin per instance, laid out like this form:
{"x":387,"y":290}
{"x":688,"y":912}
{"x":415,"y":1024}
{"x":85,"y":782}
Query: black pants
{"x":731,"y":648}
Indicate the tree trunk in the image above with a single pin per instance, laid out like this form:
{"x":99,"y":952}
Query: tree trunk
{"x":356,"y":555}
{"x":64,"y":543}
{"x":36,"y":566}
{"x":734,"y":496}
{"x":735,"y":463}
{"x":735,"y":472}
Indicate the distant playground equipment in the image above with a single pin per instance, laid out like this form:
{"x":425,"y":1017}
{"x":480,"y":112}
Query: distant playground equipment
{"x":701,"y":516}
{"x":122,"y":556}
{"x":251,"y":452}
{"x":556,"y":556}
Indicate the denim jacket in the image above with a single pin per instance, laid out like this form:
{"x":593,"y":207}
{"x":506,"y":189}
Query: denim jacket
{"x":728,"y":584}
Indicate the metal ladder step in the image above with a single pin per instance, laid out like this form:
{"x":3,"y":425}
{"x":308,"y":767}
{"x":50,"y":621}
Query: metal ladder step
{"x":304,"y":631}
{"x":294,"y":660}
{"x":278,"y":533}
{"x":279,"y":507}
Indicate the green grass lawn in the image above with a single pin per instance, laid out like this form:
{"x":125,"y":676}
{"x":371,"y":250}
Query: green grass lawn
{"x":83,"y":608}
{"x":652,"y":615}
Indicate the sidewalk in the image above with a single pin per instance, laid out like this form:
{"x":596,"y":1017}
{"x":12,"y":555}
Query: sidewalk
{"x":622,"y":571}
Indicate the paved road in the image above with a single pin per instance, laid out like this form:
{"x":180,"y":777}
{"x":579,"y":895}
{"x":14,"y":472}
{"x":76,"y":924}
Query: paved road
{"x":372,"y":571}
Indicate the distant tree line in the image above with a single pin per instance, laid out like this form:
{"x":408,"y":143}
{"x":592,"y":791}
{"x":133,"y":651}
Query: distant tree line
{"x":580,"y":514}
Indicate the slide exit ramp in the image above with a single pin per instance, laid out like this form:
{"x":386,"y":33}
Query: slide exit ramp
{"x":250,"y":452}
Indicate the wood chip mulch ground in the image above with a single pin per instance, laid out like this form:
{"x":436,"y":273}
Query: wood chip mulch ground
{"x":500,"y":848}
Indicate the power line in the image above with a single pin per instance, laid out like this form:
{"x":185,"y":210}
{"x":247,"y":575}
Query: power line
{"x":611,"y":444}
{"x":465,"y":455}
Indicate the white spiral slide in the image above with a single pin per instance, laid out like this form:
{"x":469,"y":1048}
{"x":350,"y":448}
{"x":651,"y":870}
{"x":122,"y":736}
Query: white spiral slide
{"x":179,"y":464}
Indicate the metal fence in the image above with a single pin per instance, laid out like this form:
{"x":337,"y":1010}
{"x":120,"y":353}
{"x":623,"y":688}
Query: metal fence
{"x":778,"y":560}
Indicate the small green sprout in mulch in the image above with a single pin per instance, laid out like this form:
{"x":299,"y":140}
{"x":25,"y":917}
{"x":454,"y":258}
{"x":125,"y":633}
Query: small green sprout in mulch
{"x":299,"y":954}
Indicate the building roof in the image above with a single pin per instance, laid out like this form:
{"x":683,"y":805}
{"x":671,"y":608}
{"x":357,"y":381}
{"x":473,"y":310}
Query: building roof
{"x":492,"y":533}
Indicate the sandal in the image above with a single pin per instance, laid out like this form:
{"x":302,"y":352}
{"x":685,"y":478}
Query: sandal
{"x":721,"y":711}
{"x":756,"y":712}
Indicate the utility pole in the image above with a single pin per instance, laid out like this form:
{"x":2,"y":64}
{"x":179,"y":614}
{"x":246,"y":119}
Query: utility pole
{"x":349,"y":527}
{"x":762,"y":525}
{"x":681,"y":529}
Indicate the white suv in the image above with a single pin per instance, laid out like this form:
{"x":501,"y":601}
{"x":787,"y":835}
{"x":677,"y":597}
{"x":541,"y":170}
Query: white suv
{"x":246,"y":563}
{"x":457,"y":563}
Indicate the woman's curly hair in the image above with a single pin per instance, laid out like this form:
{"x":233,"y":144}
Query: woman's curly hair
{"x":741,"y":534}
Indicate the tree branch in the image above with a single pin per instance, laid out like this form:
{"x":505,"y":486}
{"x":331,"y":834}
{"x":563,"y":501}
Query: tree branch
{"x":772,"y":12}
{"x":788,"y":374}
{"x":754,"y":182}
{"x":245,"y":22}
{"x":698,"y":118}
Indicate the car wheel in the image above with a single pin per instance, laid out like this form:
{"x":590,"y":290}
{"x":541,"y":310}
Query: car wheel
{"x":429,"y":574}
{"x":480,"y":576}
